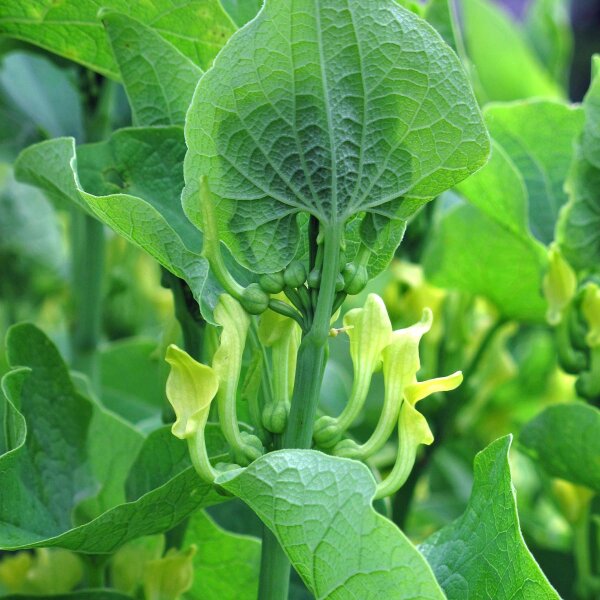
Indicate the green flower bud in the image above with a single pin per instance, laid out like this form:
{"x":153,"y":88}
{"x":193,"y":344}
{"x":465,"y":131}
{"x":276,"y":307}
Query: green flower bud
{"x":252,"y":447}
{"x":274,"y":417}
{"x":327,"y":432}
{"x":590,"y":307}
{"x":254,"y":299}
{"x":314,"y":279}
{"x":272,"y":283}
{"x":355,"y":280}
{"x":339,"y":282}
{"x":295,"y":274}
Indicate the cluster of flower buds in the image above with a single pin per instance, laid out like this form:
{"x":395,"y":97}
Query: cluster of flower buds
{"x":574,"y":310}
{"x":374,"y":345}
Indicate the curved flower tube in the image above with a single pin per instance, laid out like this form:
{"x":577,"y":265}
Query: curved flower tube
{"x":282,"y":335}
{"x":413,"y":430}
{"x":227,"y":365}
{"x":370,"y":331}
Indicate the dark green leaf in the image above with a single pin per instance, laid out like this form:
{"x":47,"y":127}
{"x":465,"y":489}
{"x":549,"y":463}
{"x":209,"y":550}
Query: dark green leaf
{"x":319,"y":507}
{"x":482,"y":555}
{"x":74,"y":463}
{"x":565,"y":439}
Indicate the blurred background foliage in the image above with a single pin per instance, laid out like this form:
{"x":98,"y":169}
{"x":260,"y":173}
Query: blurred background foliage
{"x":491,"y":326}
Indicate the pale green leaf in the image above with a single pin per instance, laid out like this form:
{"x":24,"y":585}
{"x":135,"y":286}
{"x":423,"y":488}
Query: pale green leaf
{"x":505,"y":67}
{"x":197,"y":28}
{"x":469,"y":251}
{"x":158,"y":78}
{"x":482,"y":555}
{"x":565,"y":439}
{"x":226,"y":565}
{"x":538,"y":136}
{"x":319,"y":508}
{"x":331,"y":109}
{"x":242,"y":11}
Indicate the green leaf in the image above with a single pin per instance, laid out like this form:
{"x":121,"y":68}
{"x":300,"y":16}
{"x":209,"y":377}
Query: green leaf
{"x":242,"y":11}
{"x":80,"y":595}
{"x":565,"y":439}
{"x":226,"y":565}
{"x":45,"y":94}
{"x":78,"y":461}
{"x":134,"y":178}
{"x":319,"y":508}
{"x":158,"y":78}
{"x":198,"y":29}
{"x":140,"y":395}
{"x":548,"y":30}
{"x":506,"y":67}
{"x":328,"y":109}
{"x":538,"y":135}
{"x":482,"y":555}
{"x":578,"y":231}
{"x":495,"y":263}
{"x":498,"y":190}
{"x":29,"y":228}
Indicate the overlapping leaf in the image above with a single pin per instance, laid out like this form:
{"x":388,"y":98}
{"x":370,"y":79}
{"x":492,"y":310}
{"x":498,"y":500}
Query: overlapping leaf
{"x":70,"y":477}
{"x":198,"y":29}
{"x":158,"y":78}
{"x":565,"y":439}
{"x":579,"y":226}
{"x":331,"y":109}
{"x":482,"y":555}
{"x":132,"y":183}
{"x":319,"y":508}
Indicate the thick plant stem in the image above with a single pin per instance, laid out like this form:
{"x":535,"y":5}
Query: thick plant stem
{"x":88,"y":265}
{"x":275,"y":567}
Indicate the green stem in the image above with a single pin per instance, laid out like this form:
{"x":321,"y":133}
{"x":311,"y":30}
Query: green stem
{"x":87,"y":274}
{"x":581,"y":551}
{"x":96,"y":570}
{"x":275,"y":567}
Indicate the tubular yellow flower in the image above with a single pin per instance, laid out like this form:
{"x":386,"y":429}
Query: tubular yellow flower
{"x":590,"y":307}
{"x":400,"y":366}
{"x":370,"y":331}
{"x":191,"y":387}
{"x":560,"y":285}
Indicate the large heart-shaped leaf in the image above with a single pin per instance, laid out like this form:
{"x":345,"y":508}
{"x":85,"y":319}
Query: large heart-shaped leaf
{"x":70,"y":476}
{"x":482,"y":555}
{"x":197,"y":28}
{"x":332,"y":109}
{"x":565,"y":439}
{"x":319,"y":508}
